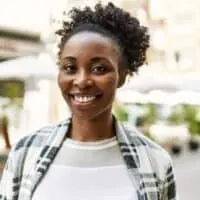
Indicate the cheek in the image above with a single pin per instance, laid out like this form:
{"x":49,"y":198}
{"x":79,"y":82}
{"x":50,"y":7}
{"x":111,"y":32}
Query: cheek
{"x":59,"y":80}
{"x":110,"y":83}
{"x":63,"y":82}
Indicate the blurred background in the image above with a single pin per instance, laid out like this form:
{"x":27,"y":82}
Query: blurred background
{"x":162,"y":100}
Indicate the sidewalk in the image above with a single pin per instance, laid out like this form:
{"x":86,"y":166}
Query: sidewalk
{"x":187,"y":171}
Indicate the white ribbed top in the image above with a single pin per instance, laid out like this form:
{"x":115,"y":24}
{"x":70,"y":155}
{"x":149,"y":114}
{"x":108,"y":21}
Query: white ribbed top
{"x":87,"y":171}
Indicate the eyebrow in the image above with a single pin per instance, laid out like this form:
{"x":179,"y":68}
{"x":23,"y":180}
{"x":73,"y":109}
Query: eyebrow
{"x":69,"y":58}
{"x":95,"y":59}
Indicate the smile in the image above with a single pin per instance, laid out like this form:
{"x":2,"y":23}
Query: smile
{"x":84,"y":99}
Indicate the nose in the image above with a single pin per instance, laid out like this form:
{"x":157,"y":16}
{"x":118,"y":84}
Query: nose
{"x":82,"y":80}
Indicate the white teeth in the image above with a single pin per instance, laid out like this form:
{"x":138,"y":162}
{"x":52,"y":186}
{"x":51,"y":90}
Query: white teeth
{"x":84,"y":99}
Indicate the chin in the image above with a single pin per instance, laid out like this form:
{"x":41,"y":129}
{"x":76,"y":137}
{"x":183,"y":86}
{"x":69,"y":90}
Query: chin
{"x":88,"y":115}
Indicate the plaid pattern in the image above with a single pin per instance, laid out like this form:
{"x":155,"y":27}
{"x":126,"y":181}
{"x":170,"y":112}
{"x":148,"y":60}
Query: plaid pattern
{"x":149,"y":166}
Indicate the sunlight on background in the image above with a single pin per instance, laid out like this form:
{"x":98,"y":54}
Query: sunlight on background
{"x":162,"y":100}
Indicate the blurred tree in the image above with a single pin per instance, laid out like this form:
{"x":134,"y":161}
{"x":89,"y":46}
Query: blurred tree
{"x":150,"y":115}
{"x":176,"y":117}
{"x":14,"y":91}
{"x":4,"y":131}
{"x":192,"y":119}
{"x":12,"y":88}
{"x":120,"y":112}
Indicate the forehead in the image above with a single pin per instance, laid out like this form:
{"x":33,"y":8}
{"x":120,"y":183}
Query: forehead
{"x":90,"y":43}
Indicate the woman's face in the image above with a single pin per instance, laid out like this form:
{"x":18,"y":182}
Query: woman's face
{"x":89,"y":74}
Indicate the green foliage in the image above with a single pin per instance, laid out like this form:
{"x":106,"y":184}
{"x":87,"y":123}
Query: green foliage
{"x":120,"y":112}
{"x":150,"y":115}
{"x":188,"y":114}
{"x":191,"y":116}
{"x":12,"y":88}
{"x":176,"y":117}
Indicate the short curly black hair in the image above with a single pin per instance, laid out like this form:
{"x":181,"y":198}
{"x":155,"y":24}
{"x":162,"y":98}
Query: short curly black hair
{"x":111,"y":21}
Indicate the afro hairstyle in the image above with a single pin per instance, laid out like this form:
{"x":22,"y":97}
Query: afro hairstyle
{"x":114,"y":22}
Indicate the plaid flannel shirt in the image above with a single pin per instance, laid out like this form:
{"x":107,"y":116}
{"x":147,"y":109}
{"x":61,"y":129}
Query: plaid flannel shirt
{"x":149,"y":166}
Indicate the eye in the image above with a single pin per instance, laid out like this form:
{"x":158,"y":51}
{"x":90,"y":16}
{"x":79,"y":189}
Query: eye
{"x":69,"y":68}
{"x":99,"y":69}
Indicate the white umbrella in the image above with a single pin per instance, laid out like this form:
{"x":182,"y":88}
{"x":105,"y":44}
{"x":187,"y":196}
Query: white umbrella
{"x":130,"y":96}
{"x":188,"y":97}
{"x":161,"y":97}
{"x":30,"y":66}
{"x":167,"y":83}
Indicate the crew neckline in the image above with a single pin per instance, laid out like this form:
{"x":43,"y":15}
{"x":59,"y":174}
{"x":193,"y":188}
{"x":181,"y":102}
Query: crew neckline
{"x":93,"y":145}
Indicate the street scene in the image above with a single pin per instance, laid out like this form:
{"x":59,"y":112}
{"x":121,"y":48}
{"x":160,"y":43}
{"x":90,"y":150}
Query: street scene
{"x":75,"y":69}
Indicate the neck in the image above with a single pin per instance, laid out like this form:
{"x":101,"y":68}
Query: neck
{"x":92,"y":130}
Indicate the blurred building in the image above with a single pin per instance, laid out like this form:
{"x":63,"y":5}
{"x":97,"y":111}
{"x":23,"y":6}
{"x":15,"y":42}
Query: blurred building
{"x":28,"y":26}
{"x":174,"y":28}
{"x":175,"y":35}
{"x":15,"y":43}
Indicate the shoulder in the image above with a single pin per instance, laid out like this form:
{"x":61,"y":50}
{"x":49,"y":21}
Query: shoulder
{"x":158,"y":156}
{"x":31,"y":145}
{"x":138,"y":137}
{"x":39,"y":137}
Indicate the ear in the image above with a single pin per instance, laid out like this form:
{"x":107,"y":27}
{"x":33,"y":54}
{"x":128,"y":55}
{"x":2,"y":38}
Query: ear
{"x":122,"y":77}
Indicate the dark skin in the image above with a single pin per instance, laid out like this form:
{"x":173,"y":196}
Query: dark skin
{"x":88,"y":78}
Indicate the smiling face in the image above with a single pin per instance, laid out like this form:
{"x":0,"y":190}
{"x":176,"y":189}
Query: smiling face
{"x":89,"y":74}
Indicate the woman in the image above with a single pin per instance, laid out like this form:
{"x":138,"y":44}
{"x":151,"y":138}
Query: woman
{"x":91,"y":155}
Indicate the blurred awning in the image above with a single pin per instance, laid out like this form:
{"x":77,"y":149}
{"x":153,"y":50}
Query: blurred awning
{"x":15,"y":43}
{"x":170,"y":83}
{"x":41,"y":66}
{"x":129,"y":96}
